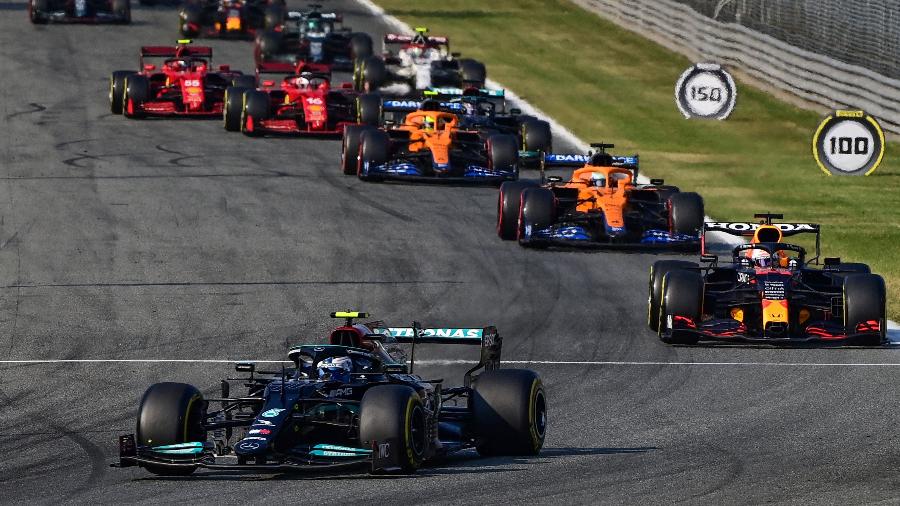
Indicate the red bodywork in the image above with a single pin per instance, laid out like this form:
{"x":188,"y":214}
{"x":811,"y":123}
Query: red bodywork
{"x":184,"y":85}
{"x":303,"y":101}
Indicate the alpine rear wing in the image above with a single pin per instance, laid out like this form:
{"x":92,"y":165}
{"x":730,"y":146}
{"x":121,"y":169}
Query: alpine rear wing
{"x":487,"y":337}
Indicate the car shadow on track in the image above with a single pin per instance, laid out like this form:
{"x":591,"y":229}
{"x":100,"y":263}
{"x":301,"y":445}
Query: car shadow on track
{"x":466,"y":462}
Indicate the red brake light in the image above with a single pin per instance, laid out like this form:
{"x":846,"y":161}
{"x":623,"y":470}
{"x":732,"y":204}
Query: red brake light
{"x":268,"y":83}
{"x":149,"y":67}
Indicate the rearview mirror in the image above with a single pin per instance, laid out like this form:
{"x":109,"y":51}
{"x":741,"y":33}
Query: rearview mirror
{"x":706,"y":258}
{"x":245,"y":367}
{"x":554,"y":179}
{"x":515,"y":111}
{"x":396,"y":369}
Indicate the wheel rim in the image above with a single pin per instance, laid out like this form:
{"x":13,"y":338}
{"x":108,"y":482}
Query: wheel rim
{"x":418,"y":432}
{"x":540,"y":414}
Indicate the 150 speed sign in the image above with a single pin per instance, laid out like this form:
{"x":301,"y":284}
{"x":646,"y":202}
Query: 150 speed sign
{"x":848,"y":143}
{"x":707,"y":91}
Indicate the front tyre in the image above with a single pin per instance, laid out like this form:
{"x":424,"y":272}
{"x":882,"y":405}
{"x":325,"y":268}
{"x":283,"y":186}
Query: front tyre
{"x":394,"y":415}
{"x":117,"y":90}
{"x":508,"y":201}
{"x":510,"y":410}
{"x":864,"y":305}
{"x":170,"y":413}
{"x":682,"y":295}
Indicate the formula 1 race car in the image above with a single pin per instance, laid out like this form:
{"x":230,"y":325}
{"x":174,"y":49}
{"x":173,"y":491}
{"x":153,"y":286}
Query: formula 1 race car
{"x":351,"y":403}
{"x":229,"y":18}
{"x":79,"y":11}
{"x":421,"y":62}
{"x":768,"y":292}
{"x":428,"y":145}
{"x":600,"y":205}
{"x":293,"y":100}
{"x":183,"y":85}
{"x":315,"y":37}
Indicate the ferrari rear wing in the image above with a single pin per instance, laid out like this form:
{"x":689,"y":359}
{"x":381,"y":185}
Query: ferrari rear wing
{"x":396,"y":38}
{"x":487,"y":337}
{"x":173,"y":51}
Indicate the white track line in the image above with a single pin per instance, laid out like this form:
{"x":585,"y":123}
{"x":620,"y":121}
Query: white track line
{"x":466,"y":362}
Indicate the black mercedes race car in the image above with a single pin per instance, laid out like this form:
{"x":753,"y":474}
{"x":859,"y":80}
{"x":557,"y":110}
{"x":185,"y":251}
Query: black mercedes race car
{"x":351,"y":403}
{"x":768,"y":292}
{"x":314,"y":37}
{"x":79,"y":11}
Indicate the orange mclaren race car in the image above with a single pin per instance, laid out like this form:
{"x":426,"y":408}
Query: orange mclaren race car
{"x":768,"y":292}
{"x":600,"y":205}
{"x":429,"y":144}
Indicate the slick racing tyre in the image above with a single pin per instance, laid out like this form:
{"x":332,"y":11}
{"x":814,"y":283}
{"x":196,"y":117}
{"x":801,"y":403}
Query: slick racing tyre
{"x":170,"y":413}
{"x":137,"y":91}
{"x":350,"y":148}
{"x":360,"y":46}
{"x":117,"y":90}
{"x":394,"y":415}
{"x":503,"y":153}
{"x":473,"y":73}
{"x":508,"y":201}
{"x":537,"y":211}
{"x":374,"y":149}
{"x":122,"y":9}
{"x":536,"y":136}
{"x":864,"y":303}
{"x":190,"y":18}
{"x":37,"y":11}
{"x":369,"y":74}
{"x":268,"y":44}
{"x":686,"y":213}
{"x":368,"y":109}
{"x":682,"y":295}
{"x":233,"y":108}
{"x":510,"y":410}
{"x":274,"y":16}
{"x":256,"y":109}
{"x":658,"y":271}
{"x":244,"y":81}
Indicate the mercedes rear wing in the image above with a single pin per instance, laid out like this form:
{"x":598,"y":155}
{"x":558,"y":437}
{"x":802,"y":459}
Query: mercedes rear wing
{"x":486,"y":337}
{"x":459,"y":92}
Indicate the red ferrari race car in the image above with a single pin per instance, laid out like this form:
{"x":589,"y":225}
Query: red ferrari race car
{"x":229,"y":18}
{"x":79,"y":11}
{"x":184,"y":84}
{"x":296,"y":100}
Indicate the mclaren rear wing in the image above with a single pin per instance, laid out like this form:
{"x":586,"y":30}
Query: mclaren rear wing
{"x":566,"y":160}
{"x":486,"y":337}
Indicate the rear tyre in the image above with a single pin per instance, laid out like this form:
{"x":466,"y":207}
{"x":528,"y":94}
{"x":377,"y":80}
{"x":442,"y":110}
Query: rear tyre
{"x":394,"y":414}
{"x":244,"y":81}
{"x":374,"y":148}
{"x":682,"y":295}
{"x":122,"y":9}
{"x":538,"y":211}
{"x":37,"y":11}
{"x":369,"y":74}
{"x":658,"y":271}
{"x":234,"y":107}
{"x":536,"y":136}
{"x":256,"y":109}
{"x":170,"y":413}
{"x":268,"y":44}
{"x":350,"y":148}
{"x":686,"y":213}
{"x":190,"y":18}
{"x":368,"y":109}
{"x":503,"y":154}
{"x":864,"y":302}
{"x":137,"y":91}
{"x":508,"y":201}
{"x":117,"y":90}
{"x":473,"y":73}
{"x":361,"y":46}
{"x":510,"y":410}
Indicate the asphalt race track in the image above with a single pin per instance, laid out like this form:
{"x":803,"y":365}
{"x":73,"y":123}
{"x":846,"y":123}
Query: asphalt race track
{"x":142,"y":240}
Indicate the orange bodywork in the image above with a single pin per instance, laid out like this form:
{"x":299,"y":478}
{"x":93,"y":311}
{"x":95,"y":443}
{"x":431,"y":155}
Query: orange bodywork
{"x":431,"y":130}
{"x":609,"y":198}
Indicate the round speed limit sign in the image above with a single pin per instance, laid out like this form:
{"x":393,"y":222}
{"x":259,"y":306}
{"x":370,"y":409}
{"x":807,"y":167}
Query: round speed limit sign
{"x":706,"y":91}
{"x":848,"y":143}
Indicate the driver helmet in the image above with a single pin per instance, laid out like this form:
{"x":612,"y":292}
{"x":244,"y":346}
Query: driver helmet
{"x":415,"y":51}
{"x":468,"y":108}
{"x":598,"y":179}
{"x":761,"y":258}
{"x":428,"y":123}
{"x":335,"y":369}
{"x":302,"y":82}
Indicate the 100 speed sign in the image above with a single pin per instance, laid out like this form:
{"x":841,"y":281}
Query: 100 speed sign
{"x":707,"y":91}
{"x":848,"y":143}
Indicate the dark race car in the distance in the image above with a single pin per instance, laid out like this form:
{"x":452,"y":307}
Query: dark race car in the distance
{"x":79,"y":11}
{"x":768,"y":291}
{"x":181,"y":81}
{"x":293,"y":99}
{"x":351,"y":403}
{"x":314,"y":37}
{"x":240,"y":19}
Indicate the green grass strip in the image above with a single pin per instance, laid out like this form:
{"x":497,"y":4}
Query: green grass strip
{"x":608,"y":84}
